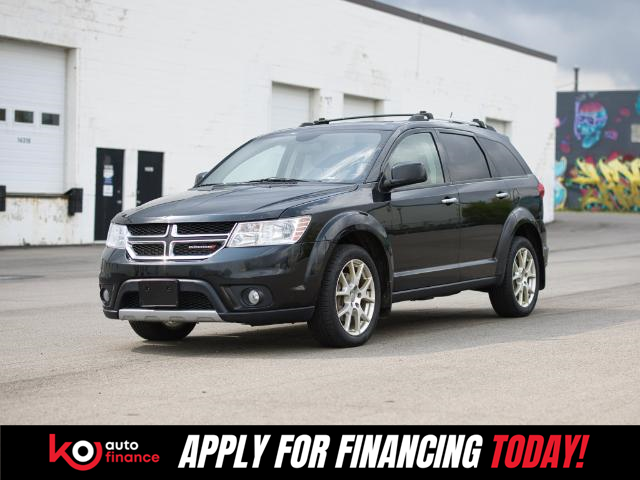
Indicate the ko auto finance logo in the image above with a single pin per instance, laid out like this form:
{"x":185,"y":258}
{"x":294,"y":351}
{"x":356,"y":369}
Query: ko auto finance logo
{"x":84,"y":455}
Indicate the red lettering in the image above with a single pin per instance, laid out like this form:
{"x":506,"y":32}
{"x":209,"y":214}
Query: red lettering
{"x":62,"y":452}
{"x":569,"y":448}
{"x":531,"y":456}
{"x":552,"y":452}
{"x":583,"y":449}
{"x":499,"y":439}
{"x":155,"y":458}
{"x":512,"y":459}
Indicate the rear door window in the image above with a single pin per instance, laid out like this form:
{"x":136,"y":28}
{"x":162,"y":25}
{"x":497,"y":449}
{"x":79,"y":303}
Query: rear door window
{"x":465,"y":159}
{"x":503,"y":162}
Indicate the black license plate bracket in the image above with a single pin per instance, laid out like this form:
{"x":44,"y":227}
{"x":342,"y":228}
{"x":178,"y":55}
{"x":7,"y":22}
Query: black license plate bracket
{"x":158,"y":293}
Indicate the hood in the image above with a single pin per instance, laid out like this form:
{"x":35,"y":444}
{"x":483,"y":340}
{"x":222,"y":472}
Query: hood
{"x":230,"y":203}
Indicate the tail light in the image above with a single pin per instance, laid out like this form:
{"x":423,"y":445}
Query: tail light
{"x":540,"y":189}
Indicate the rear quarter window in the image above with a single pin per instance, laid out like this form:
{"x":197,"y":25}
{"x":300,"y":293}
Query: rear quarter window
{"x":503,"y":162}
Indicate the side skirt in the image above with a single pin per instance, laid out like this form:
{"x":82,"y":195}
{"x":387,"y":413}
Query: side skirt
{"x":443,"y":290}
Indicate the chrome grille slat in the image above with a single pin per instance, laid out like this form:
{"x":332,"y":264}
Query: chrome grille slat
{"x":139,"y":246}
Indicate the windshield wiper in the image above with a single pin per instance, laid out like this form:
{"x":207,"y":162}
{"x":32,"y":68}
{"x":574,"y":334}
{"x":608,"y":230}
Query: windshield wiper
{"x":277,"y":180}
{"x":260,"y":180}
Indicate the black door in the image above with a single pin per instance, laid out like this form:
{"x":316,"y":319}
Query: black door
{"x":108,"y":189}
{"x":149,"y":176}
{"x":485,"y":204}
{"x":424,"y":232}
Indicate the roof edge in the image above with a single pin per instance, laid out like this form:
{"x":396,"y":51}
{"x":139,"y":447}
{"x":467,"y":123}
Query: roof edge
{"x":432,"y":22}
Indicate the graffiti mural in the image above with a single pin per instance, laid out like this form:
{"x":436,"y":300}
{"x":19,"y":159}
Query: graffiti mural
{"x":588,"y":122}
{"x":598,"y":151}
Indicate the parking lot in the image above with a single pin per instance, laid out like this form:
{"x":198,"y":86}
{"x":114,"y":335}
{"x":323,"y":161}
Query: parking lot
{"x":448,"y":360}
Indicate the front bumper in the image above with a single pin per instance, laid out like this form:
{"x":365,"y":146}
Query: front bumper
{"x":213,"y":287}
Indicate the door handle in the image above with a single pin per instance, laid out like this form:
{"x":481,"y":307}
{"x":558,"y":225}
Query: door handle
{"x":502,"y":195}
{"x":449,"y":200}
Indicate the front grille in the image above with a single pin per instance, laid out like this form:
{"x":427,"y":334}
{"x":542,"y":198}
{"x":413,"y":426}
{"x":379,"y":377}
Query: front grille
{"x":217,"y":228}
{"x":181,"y":241}
{"x":147,"y":229}
{"x":195,"y":248}
{"x":186,"y":301}
{"x":148,"y":249}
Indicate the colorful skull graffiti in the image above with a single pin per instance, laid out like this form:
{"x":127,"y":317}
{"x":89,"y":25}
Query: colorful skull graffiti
{"x":590,"y":119}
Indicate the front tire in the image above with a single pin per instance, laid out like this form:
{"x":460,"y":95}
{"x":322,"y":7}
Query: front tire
{"x":349,"y":300}
{"x":517,"y":295}
{"x":162,"y":331}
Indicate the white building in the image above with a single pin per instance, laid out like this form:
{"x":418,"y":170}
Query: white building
{"x":130,"y":99}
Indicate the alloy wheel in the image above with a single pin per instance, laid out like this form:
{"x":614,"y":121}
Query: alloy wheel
{"x":524,"y":277}
{"x":355,"y":297}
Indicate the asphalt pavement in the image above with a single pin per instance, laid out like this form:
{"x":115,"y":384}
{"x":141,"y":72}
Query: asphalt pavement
{"x":444,"y":361}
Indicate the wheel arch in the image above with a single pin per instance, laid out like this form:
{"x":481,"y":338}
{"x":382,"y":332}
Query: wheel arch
{"x":520,"y":223}
{"x":356,"y":228}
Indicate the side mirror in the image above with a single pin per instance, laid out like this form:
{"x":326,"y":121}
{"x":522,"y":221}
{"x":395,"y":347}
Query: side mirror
{"x":404,"y":174}
{"x":199,"y":178}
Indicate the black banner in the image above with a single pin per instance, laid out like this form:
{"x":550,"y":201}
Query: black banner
{"x":108,"y":451}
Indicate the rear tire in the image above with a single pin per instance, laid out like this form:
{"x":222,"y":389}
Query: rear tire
{"x":162,"y":331}
{"x":517,"y":294}
{"x":351,"y":287}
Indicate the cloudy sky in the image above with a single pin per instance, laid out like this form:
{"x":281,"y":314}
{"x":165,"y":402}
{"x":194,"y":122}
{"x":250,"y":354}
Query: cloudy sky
{"x":601,"y":37}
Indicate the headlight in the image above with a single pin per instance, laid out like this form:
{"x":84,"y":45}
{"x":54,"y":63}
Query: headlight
{"x":117,"y":236}
{"x":272,"y":232}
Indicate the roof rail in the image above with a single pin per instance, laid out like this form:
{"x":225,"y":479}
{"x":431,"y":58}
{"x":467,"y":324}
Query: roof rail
{"x":422,"y":115}
{"x":476,"y":122}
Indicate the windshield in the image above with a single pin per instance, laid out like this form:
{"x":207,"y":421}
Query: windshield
{"x":341,"y":157}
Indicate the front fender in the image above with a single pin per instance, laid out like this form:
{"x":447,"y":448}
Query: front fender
{"x":336,"y":229}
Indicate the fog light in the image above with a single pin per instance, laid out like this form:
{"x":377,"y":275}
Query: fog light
{"x":254,"y":297}
{"x":105,"y":295}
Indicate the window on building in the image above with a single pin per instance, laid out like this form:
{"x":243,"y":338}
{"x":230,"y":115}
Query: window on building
{"x":635,"y":133}
{"x":504,"y":163}
{"x":501,"y":126}
{"x":465,"y":159}
{"x":419,"y":147}
{"x":50,"y":119}
{"x":23,"y":116}
{"x":3,"y":114}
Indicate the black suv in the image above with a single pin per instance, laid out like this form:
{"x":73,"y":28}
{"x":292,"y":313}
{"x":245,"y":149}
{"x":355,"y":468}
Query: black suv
{"x":329,"y":224}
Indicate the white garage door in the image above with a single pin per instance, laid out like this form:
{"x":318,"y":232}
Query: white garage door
{"x":359,"y":106}
{"x":32,"y":88}
{"x":501,"y":126}
{"x":290,"y":106}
